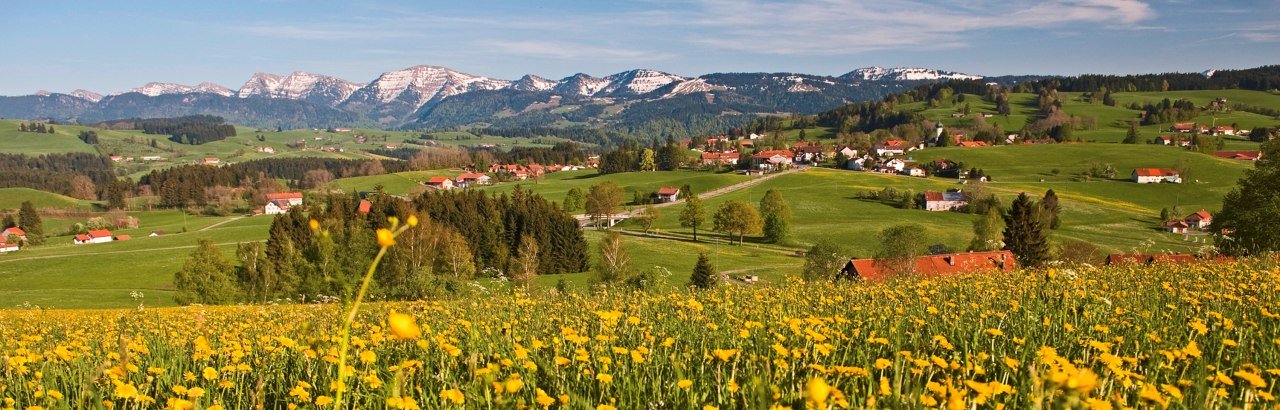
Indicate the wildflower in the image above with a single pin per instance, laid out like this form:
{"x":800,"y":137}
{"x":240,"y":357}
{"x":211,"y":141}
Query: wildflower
{"x":315,"y":225}
{"x":684,"y":383}
{"x":412,"y":221}
{"x":195,"y":393}
{"x":386,"y":238}
{"x":324,"y":400}
{"x":994,"y":332}
{"x":544,"y":399}
{"x":452,"y":395}
{"x":724,"y":354}
{"x":1253,"y":379}
{"x":209,"y":373}
{"x":604,"y":378}
{"x":126,"y":390}
{"x":817,"y":390}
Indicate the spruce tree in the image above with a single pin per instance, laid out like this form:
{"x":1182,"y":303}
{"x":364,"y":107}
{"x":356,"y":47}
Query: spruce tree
{"x":29,"y":221}
{"x":777,"y":216}
{"x":1025,"y":234}
{"x":704,"y":274}
{"x":1249,"y":212}
{"x":205,"y":278}
{"x":1051,"y":208}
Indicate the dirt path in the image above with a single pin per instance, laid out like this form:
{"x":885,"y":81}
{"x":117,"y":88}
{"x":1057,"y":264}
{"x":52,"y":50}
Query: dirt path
{"x":232,"y":219}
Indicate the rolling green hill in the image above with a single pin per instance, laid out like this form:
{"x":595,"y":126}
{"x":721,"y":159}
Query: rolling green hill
{"x":12,"y":198}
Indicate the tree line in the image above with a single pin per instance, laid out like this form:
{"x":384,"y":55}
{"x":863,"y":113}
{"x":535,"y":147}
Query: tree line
{"x":632,"y":156}
{"x":36,"y":127}
{"x":185,"y":185}
{"x":191,"y":129}
{"x":78,"y":174}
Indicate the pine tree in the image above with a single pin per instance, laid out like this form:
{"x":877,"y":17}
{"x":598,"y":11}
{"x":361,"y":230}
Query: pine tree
{"x":704,"y":274}
{"x":1051,"y":209}
{"x":205,"y":278}
{"x":1024,"y":232}
{"x":1250,"y":210}
{"x":1131,"y":137}
{"x":693,"y":215}
{"x":777,"y":216}
{"x":29,"y":221}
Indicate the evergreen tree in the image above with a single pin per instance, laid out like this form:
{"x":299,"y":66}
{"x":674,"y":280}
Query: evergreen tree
{"x":1131,"y":137}
{"x":693,"y":215}
{"x":777,"y":216}
{"x":986,"y":231}
{"x":704,"y":274}
{"x":737,"y":218}
{"x":1051,"y":209}
{"x":205,"y":278}
{"x":823,"y":261}
{"x":1164,"y":214}
{"x":1249,"y":211}
{"x":9,"y":222}
{"x":1024,"y":232}
{"x":29,"y":221}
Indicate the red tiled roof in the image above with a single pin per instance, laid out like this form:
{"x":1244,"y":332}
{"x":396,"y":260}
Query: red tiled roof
{"x":941,"y":265}
{"x":100,"y":233}
{"x":771,"y":153}
{"x":12,"y":231}
{"x":666,"y":190}
{"x":437,"y":180}
{"x":932,"y":196}
{"x":1244,"y":155}
{"x":973,"y":144}
{"x":720,"y":155}
{"x":284,"y":195}
{"x":82,"y":238}
{"x":365,"y":206}
{"x":1178,"y":224}
{"x":123,"y":237}
{"x":894,"y":144}
{"x":1199,"y":216}
{"x":1155,"y":172}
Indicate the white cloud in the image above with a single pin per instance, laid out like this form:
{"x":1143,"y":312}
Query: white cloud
{"x":567,"y":50}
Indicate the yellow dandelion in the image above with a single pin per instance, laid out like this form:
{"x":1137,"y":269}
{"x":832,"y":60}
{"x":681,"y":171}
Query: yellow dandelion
{"x":403,"y":326}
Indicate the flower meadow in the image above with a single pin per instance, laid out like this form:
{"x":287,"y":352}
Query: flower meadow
{"x":1188,"y":336}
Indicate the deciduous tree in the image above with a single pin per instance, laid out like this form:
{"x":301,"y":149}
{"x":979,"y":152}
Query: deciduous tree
{"x":693,"y":215}
{"x":205,"y":277}
{"x":823,"y":261}
{"x":738,"y":218}
{"x":900,"y":245}
{"x":776,"y":215}
{"x":1250,"y":211}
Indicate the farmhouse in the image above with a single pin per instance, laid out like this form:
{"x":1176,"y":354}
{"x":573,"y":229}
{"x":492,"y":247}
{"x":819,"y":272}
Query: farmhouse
{"x":1239,"y":155}
{"x":1176,"y":226}
{"x":972,"y":144}
{"x":472,"y":179}
{"x":440,"y":183}
{"x":932,"y":265}
{"x":212,"y":161}
{"x":1156,"y":175}
{"x":914,"y":172}
{"x":772,"y":159}
{"x":1189,"y":127}
{"x":935,"y":201}
{"x":1199,"y":220}
{"x":811,"y":152}
{"x":8,"y":247}
{"x":668,"y":194}
{"x":891,"y":147}
{"x":94,"y":236}
{"x":15,"y":232}
{"x":720,"y":158}
{"x":847,"y":151}
{"x":152,"y":158}
{"x":293,"y":198}
{"x":1173,"y":140}
{"x":265,"y":150}
{"x":1223,"y":130}
{"x":893,"y":166}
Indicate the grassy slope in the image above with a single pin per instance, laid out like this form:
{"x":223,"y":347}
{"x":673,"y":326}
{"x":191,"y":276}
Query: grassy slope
{"x":12,"y":198}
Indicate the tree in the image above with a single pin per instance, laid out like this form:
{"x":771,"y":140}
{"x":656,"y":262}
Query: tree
{"x":823,"y":261}
{"x":317,"y":178}
{"x":647,"y":160}
{"x":1249,"y":211}
{"x":986,"y":231}
{"x":777,"y":216}
{"x":647,"y":217}
{"x":455,"y":258}
{"x":603,"y":200}
{"x":117,"y":193}
{"x":573,"y":200}
{"x":614,"y":263}
{"x":29,"y":221}
{"x":737,"y":218}
{"x":1164,"y":214}
{"x":1024,"y":232}
{"x":526,"y":262}
{"x":1131,"y":137}
{"x":693,"y":215}
{"x":205,"y":277}
{"x":83,"y":188}
{"x":900,"y":246}
{"x":254,"y":273}
{"x":1050,"y":208}
{"x":704,"y":274}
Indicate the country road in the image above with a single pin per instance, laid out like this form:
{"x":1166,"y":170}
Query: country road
{"x":585,"y":220}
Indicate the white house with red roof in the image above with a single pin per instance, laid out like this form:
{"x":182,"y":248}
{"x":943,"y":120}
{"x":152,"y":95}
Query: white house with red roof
{"x":1176,"y":226}
{"x":280,"y":203}
{"x":94,"y":236}
{"x":212,"y":161}
{"x":8,"y":247}
{"x":440,"y":183}
{"x":668,"y":194}
{"x":1199,"y":220}
{"x":720,"y":158}
{"x":15,"y":232}
{"x":935,"y":201}
{"x":468,"y":180}
{"x":772,"y":159}
{"x":1189,"y":127}
{"x":1156,"y":175}
{"x":1223,"y":130}
{"x":891,"y":148}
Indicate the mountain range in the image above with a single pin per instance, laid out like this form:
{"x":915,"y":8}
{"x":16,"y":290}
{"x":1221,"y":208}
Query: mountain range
{"x":431,"y":97}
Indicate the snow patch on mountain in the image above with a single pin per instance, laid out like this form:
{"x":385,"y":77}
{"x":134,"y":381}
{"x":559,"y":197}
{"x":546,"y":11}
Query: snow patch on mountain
{"x":428,"y":82}
{"x":637,"y":82}
{"x":86,"y":94}
{"x":906,"y":74}
{"x":158,"y":89}
{"x":697,"y":85}
{"x":532,"y":82}
{"x":297,"y":86}
{"x":581,"y":84}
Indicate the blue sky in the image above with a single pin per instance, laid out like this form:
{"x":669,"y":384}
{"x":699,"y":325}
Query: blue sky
{"x":107,"y":46}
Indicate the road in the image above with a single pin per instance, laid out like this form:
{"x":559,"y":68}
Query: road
{"x":585,"y":220}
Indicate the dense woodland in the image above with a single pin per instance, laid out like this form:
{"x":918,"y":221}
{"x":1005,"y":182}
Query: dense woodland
{"x":74,"y":174}
{"x":193,"y":129}
{"x":186,"y":185}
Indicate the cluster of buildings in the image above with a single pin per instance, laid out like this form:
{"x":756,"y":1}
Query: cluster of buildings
{"x":11,"y":238}
{"x":1193,"y":128}
{"x":281,"y":203}
{"x":1198,"y":221}
{"x":514,"y":171}
{"x":1156,"y":175}
{"x":97,"y":236}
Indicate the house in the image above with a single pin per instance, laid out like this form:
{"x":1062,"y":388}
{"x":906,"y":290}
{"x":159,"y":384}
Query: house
{"x":847,"y":151}
{"x":1176,"y":226}
{"x":891,"y":147}
{"x":1156,"y":175}
{"x":914,"y":172}
{"x":364,"y":207}
{"x":1223,"y":130}
{"x":1189,"y":127}
{"x":440,"y":183}
{"x":152,"y":158}
{"x":123,"y":237}
{"x":293,"y":198}
{"x":156,"y":234}
{"x":277,"y":207}
{"x":933,"y":265}
{"x":117,"y":158}
{"x":8,"y":247}
{"x":94,"y":236}
{"x":809,"y":152}
{"x":1239,"y":155}
{"x":856,"y":164}
{"x":893,"y":166}
{"x":471,"y":179}
{"x":972,"y":144}
{"x":668,"y":194}
{"x":772,"y":159}
{"x":935,"y":201}
{"x":212,"y":161}
{"x":13,"y":232}
{"x":265,"y":150}
{"x":1199,"y":220}
{"x":720,"y":158}
{"x":1173,"y":140}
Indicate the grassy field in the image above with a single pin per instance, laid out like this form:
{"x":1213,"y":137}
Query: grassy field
{"x":1076,"y":338}
{"x":553,"y":186}
{"x":12,"y":199}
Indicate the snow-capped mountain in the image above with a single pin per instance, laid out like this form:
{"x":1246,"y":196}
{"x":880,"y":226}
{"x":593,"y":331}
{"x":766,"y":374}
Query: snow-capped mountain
{"x":638,"y":82}
{"x":532,"y":82}
{"x":696,"y":85}
{"x":86,"y":94}
{"x":906,"y":74}
{"x":299,"y":85}
{"x":157,"y":89}
{"x":424,"y":82}
{"x":581,"y":84}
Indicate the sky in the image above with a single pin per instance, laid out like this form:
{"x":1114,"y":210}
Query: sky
{"x":110,"y":46}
